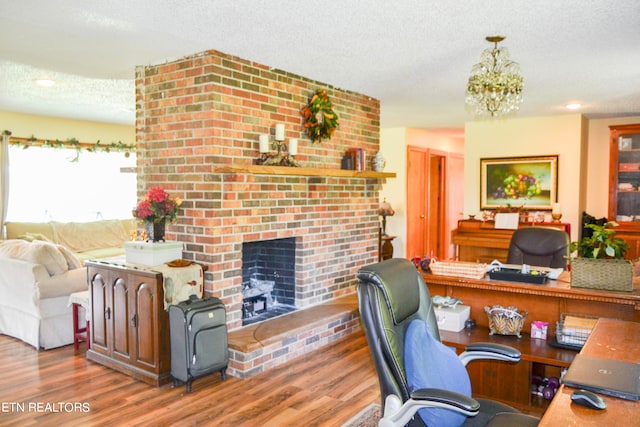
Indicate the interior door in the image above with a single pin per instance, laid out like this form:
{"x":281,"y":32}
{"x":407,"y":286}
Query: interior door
{"x":436,"y":224}
{"x":417,"y":169}
{"x":435,"y":198}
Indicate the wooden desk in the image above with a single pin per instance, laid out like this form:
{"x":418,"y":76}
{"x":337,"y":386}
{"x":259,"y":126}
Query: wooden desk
{"x":543,"y":302}
{"x":511,"y":383}
{"x":611,"y":339}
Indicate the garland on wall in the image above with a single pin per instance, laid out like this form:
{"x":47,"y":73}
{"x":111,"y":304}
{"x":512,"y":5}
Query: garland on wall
{"x":320,"y":119}
{"x":72,"y":143}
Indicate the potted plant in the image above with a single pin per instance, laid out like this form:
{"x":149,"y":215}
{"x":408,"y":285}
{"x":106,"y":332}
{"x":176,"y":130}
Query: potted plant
{"x":155,"y":209}
{"x":600,"y":262}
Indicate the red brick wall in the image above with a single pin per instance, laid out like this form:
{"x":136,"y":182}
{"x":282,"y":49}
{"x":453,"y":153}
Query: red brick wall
{"x":208,"y":110}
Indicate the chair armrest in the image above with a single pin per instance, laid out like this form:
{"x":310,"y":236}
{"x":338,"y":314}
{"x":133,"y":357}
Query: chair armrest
{"x":447,"y":399}
{"x":397,"y":414}
{"x":485,"y":350}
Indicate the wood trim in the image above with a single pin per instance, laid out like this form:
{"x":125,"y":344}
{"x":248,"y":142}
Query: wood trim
{"x":293,"y":171}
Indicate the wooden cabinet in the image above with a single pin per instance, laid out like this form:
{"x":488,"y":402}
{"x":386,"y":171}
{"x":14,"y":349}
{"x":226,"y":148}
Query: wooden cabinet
{"x":129,"y":326}
{"x":624,"y":184}
{"x":480,"y":241}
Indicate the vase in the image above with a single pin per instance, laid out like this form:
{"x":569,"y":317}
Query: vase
{"x":378,"y":162}
{"x":155,"y":230}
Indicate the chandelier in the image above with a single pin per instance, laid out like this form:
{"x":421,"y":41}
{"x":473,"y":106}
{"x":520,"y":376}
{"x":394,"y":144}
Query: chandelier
{"x":495,"y":85}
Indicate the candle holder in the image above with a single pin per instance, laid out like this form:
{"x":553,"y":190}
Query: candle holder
{"x":555,"y":216}
{"x":279,"y":158}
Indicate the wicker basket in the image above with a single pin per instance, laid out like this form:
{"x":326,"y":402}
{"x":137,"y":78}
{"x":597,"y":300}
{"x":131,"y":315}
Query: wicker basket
{"x":573,"y":329}
{"x":607,"y":274}
{"x":505,"y":321}
{"x":470,"y":270}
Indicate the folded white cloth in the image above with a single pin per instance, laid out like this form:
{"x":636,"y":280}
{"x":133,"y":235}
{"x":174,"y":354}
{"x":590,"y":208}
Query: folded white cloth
{"x":181,"y":282}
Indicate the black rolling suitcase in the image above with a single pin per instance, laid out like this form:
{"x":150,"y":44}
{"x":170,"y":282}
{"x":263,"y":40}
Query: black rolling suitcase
{"x":198,"y":339}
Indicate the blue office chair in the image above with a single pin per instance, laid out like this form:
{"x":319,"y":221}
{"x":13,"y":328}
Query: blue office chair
{"x":422,"y":382}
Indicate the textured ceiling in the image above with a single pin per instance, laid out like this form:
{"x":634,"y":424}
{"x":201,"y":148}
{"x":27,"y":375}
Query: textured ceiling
{"x":413,"y":55}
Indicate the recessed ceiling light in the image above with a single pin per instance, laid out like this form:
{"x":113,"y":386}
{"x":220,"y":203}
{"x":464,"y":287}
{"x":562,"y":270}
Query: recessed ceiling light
{"x":573,"y":106}
{"x":45,"y":82}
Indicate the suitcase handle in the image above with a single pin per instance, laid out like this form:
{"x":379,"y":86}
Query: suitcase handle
{"x":192,"y":298}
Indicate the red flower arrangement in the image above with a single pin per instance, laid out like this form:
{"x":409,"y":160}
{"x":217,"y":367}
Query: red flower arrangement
{"x":157,"y":205}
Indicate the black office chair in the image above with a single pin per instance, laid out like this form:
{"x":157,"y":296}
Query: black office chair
{"x":416,"y":372}
{"x":539,"y":246}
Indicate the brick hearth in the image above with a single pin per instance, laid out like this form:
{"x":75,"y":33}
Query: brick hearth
{"x":257,"y":348}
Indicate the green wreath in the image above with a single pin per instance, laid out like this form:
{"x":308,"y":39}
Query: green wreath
{"x":320,"y":121}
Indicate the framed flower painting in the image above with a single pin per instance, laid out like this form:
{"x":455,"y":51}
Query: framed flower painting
{"x":527,"y":182}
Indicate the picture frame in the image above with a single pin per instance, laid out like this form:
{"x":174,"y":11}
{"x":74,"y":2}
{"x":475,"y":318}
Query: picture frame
{"x":529,"y":183}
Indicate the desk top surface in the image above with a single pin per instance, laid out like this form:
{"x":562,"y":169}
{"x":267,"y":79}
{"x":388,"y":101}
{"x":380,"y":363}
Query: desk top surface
{"x":613,"y":339}
{"x":561,"y":287}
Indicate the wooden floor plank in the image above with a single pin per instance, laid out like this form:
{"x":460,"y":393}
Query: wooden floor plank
{"x":60,"y":387}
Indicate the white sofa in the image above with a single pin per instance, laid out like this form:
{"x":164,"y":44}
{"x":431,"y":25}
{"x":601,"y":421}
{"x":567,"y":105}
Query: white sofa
{"x":41,"y":264}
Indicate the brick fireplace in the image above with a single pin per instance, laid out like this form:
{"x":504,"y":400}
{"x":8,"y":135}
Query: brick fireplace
{"x":268,"y":279}
{"x":200,"y":115}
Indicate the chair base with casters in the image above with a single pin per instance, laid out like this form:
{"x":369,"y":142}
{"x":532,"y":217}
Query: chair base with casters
{"x":413,"y":366}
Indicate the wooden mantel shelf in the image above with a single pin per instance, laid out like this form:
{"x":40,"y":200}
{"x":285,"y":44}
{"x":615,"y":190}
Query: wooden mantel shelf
{"x":286,"y":170}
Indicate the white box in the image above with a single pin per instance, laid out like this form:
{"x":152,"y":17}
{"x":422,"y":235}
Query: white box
{"x":452,"y":318}
{"x":152,"y":253}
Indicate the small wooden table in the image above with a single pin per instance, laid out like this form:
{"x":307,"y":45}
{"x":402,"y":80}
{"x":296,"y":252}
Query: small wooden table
{"x":612,"y":339}
{"x":386,"y":248}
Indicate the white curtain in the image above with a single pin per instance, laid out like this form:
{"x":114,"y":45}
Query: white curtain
{"x":4,"y":179}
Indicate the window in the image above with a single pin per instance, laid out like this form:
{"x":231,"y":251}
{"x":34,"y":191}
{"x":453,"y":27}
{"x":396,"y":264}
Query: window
{"x":45,"y":185}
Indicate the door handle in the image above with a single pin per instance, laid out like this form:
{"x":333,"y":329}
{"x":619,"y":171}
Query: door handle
{"x":107,"y":313}
{"x":134,"y":321}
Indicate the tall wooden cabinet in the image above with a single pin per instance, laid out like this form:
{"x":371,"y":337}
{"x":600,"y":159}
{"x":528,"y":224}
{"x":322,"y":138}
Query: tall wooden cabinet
{"x":624,"y":184}
{"x":129,"y":326}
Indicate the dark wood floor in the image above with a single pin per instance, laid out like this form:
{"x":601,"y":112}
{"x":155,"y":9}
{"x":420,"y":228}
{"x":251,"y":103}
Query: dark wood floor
{"x":59,"y":387}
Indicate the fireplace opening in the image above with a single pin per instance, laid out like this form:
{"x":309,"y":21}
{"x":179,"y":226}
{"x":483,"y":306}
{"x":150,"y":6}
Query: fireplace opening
{"x":268,"y":279}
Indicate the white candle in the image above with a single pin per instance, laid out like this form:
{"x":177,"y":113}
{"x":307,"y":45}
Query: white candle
{"x":555,"y":208}
{"x":293,"y":146}
{"x":280,"y":132}
{"x":264,"y":143}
